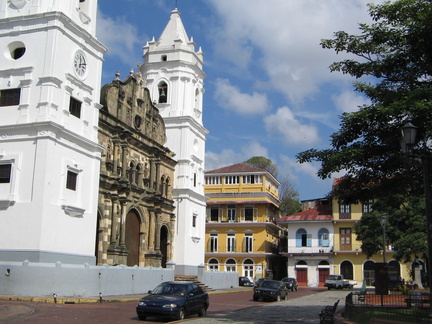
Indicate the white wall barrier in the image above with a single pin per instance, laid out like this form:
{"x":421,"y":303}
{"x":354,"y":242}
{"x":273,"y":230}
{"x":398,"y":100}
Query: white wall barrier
{"x":45,"y":279}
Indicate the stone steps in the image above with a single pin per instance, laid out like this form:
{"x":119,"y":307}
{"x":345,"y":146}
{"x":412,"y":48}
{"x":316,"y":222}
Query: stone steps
{"x":192,"y":279}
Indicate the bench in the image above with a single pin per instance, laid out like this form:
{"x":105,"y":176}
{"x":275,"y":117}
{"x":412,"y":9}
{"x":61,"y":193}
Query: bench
{"x":327,"y":314}
{"x":415,"y":302}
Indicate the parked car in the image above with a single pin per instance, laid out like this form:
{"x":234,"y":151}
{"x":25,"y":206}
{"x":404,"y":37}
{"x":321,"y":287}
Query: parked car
{"x":173,"y":299}
{"x":290,"y":283}
{"x":258,"y":282}
{"x":245,"y":281}
{"x":338,"y":282}
{"x":270,"y":290}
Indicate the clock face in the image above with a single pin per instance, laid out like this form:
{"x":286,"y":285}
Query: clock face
{"x":80,"y":64}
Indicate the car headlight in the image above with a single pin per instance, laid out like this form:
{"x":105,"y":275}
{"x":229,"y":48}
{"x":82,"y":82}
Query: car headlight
{"x":169,"y":306}
{"x":141,"y":303}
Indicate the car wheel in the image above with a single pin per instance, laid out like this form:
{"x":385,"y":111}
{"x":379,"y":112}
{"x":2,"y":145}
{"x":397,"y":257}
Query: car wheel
{"x":328,"y":288}
{"x":142,"y":317}
{"x":181,"y":314}
{"x":203,"y":311}
{"x":286,"y":296}
{"x":296,"y":288}
{"x":278,"y":298}
{"x":255,"y":298}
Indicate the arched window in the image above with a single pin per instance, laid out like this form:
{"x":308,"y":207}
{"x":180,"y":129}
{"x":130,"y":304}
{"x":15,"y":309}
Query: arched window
{"x":248,"y":268}
{"x":323,"y":237}
{"x":303,"y":238}
{"x":230,"y":265}
{"x":369,"y":272}
{"x":394,"y":271}
{"x":167,"y":186}
{"x":347,"y":270}
{"x":163,"y":92}
{"x":162,"y":186}
{"x":213,"y":265}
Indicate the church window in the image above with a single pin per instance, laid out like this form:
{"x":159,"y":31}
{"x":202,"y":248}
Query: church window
{"x":195,"y":179}
{"x":18,"y":53}
{"x":164,"y":58}
{"x":10,"y":97}
{"x":167,"y":186}
{"x":16,"y":50}
{"x":75,"y":107}
{"x":163,"y":92}
{"x":5,"y":173}
{"x":194,"y":220}
{"x":71,"y":180}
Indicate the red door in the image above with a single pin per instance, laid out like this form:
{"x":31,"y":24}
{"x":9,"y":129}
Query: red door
{"x":302,"y":277}
{"x":323,"y":273}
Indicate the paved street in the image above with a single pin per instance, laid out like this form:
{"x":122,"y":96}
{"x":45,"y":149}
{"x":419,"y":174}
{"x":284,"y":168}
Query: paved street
{"x":303,"y":306}
{"x":295,"y":310}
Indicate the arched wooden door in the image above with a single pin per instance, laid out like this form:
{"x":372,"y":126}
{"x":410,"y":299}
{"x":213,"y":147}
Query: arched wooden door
{"x":164,"y":245}
{"x":132,"y":238}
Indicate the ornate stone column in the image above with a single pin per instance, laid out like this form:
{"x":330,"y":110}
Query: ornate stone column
{"x":122,"y":243}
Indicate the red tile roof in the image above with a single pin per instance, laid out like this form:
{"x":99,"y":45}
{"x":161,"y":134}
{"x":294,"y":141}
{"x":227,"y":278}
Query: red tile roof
{"x":237,"y":168}
{"x":318,"y":213}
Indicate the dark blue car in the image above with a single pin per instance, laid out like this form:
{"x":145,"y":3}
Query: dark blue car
{"x":175,"y":300}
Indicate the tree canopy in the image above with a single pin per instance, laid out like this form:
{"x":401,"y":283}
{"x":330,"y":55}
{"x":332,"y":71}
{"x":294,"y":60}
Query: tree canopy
{"x":288,"y":195}
{"x":392,"y":62}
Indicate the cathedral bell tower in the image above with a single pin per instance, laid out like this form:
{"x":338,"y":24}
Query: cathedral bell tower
{"x":174,"y":74}
{"x":50,"y":76}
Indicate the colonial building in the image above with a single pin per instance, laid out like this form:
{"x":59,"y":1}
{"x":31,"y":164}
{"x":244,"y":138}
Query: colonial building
{"x":321,"y":241}
{"x":240,"y":233}
{"x":174,"y":74}
{"x":310,"y":242}
{"x":136,"y":209}
{"x":49,"y":110}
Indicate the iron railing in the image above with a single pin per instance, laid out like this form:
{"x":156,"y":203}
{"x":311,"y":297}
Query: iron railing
{"x":367,"y":307}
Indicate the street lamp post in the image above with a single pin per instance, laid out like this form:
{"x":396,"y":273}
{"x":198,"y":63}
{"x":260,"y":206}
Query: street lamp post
{"x":409,"y":132}
{"x":383,"y":224}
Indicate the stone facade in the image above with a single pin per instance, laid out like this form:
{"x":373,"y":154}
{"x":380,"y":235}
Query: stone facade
{"x":136,"y":210}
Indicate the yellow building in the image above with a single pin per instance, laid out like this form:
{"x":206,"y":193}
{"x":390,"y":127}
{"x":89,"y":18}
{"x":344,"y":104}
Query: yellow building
{"x":348,"y":258}
{"x":241,"y":235}
{"x":321,"y":241}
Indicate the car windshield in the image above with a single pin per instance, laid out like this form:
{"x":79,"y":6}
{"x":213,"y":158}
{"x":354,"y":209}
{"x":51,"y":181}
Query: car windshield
{"x":270,"y":284}
{"x":332,"y":277}
{"x":170,"y":289}
{"x":287,"y":279}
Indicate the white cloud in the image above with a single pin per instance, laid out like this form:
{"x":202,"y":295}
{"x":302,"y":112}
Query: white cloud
{"x":283,"y":38}
{"x":227,"y":156}
{"x":284,"y":124}
{"x":121,"y":38}
{"x":231,"y":98}
{"x":349,"y":101}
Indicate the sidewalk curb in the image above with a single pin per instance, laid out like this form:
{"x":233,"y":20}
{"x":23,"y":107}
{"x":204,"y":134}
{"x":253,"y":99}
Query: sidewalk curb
{"x":107,"y":299}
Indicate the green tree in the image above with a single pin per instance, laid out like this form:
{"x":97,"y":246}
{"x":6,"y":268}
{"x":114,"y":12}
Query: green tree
{"x":288,"y":195}
{"x":393,"y":56}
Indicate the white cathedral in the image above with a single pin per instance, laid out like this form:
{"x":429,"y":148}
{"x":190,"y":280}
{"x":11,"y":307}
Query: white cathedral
{"x":49,"y":150}
{"x":174,"y":75}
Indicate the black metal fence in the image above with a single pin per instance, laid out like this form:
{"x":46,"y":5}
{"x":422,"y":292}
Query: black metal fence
{"x":366,"y":307}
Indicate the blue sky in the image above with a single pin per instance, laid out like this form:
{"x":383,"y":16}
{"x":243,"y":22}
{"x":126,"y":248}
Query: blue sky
{"x":269,"y":91}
